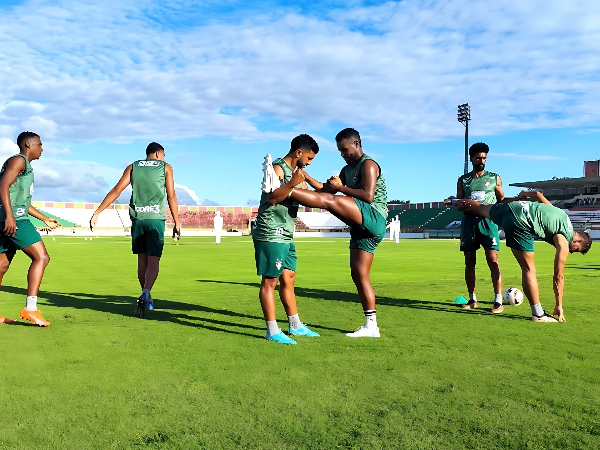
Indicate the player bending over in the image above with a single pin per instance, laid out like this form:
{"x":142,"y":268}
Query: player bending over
{"x":273,"y":234}
{"x":16,"y":187}
{"x":363,"y":207}
{"x":522,"y":221}
{"x":149,"y":179}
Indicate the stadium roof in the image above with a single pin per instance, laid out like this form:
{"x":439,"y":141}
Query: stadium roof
{"x":564,"y":183}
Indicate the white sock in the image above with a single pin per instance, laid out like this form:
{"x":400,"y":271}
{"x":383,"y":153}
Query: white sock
{"x":31,"y":303}
{"x":294,"y":321}
{"x":146,"y":293}
{"x":473,"y":297}
{"x":272,"y":327}
{"x":370,"y":318}
{"x":498,"y":298}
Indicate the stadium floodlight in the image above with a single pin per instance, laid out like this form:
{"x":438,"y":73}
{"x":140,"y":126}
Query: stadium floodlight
{"x":464,"y":115}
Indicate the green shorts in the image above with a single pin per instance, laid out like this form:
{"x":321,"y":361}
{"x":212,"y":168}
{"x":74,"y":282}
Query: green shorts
{"x":517,"y":236}
{"x":476,"y":231}
{"x":372,"y":231}
{"x":25,"y":236}
{"x":272,"y":257}
{"x":148,"y":236}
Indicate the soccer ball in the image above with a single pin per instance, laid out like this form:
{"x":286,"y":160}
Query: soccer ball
{"x":513,"y":296}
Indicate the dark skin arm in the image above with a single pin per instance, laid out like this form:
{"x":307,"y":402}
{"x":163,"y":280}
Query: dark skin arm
{"x":112,"y":195}
{"x":14,"y":167}
{"x":172,"y":199}
{"x":366,"y":193}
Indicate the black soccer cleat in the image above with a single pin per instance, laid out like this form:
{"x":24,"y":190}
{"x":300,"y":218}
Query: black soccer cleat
{"x":139,"y":307}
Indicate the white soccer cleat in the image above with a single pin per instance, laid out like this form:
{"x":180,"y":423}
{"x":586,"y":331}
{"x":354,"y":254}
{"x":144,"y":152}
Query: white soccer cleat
{"x":365,"y":332}
{"x":270,"y":179}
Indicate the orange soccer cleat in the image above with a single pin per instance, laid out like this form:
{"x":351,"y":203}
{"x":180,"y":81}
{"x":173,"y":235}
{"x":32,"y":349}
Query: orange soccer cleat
{"x":6,"y":320}
{"x":34,"y":317}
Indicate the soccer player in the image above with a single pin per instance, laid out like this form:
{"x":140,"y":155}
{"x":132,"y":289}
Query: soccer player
{"x":363,"y":207}
{"x":16,"y":188}
{"x":522,"y":221}
{"x":475,"y":230}
{"x":273,"y":234}
{"x":150,"y":178}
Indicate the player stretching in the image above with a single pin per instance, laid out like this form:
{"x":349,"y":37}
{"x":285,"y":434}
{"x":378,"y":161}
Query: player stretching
{"x":475,"y":230}
{"x":16,"y":187}
{"x":149,"y":179}
{"x":522,"y":221}
{"x":273,"y":235}
{"x":363,"y":207}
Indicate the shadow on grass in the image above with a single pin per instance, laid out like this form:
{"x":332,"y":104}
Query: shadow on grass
{"x":341,"y":296}
{"x":584,"y":266}
{"x":124,"y":306}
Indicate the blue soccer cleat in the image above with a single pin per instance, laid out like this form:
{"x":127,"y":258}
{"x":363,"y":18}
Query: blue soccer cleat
{"x":279,"y":337}
{"x":303,"y":331}
{"x":150,"y":304}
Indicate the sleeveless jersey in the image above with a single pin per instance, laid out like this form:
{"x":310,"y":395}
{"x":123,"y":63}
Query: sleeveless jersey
{"x":20,"y":191}
{"x":482,"y":189}
{"x":276,"y":223}
{"x":545,"y":220}
{"x":353,"y":179}
{"x":148,"y":193}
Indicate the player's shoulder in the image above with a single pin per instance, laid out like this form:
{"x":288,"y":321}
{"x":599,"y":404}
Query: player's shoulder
{"x":491,"y":174}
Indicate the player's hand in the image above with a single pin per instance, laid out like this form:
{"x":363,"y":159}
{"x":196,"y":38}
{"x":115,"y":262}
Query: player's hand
{"x":336,"y":182}
{"x":177,"y":232}
{"x":93,"y":221}
{"x":52,"y":223}
{"x":10,"y":226}
{"x":526,"y":195}
{"x":297,"y":177}
{"x":558,"y":311}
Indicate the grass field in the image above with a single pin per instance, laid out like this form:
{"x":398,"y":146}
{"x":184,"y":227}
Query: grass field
{"x":197,"y":373}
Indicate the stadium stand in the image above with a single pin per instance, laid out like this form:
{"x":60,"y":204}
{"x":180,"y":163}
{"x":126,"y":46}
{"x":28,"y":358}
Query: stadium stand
{"x":39,"y":224}
{"x":416,"y":220}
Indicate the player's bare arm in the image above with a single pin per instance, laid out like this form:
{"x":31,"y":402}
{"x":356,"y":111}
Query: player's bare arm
{"x":533,"y":196}
{"x":14,"y":167}
{"x":50,"y":223}
{"x":316,"y":185}
{"x":281,"y":193}
{"x":500,"y":191}
{"x":172,"y":199}
{"x":558,"y":280}
{"x":112,"y":195}
{"x":369,"y":172}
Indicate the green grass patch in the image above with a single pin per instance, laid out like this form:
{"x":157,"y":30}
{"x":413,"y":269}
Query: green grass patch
{"x":197,"y":373}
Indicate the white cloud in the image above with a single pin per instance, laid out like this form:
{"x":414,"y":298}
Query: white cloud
{"x":7,"y":148}
{"x":41,"y":126}
{"x":396,"y":72}
{"x":185,"y":195}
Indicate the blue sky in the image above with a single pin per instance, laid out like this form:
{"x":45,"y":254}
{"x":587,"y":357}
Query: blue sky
{"x":220,"y":84}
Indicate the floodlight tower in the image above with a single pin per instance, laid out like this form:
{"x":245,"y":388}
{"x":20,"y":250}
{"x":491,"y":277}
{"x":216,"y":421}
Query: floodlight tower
{"x":464,"y":115}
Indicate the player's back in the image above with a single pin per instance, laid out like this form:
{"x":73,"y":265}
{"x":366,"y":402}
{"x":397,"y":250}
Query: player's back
{"x":148,"y":192}
{"x":353,"y":180}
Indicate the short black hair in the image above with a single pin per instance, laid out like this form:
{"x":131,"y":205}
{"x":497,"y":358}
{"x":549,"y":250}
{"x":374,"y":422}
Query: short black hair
{"x":348,"y":133}
{"x":587,"y":242}
{"x":478,"y":147}
{"x":25,"y":136}
{"x":304,"y":142}
{"x":153,"y":147}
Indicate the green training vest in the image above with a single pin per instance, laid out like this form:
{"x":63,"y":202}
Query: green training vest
{"x":546,"y":221}
{"x":276,"y":223}
{"x":148,"y":193}
{"x":353,"y":179}
{"x":20,"y":191}
{"x":482,"y":189}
